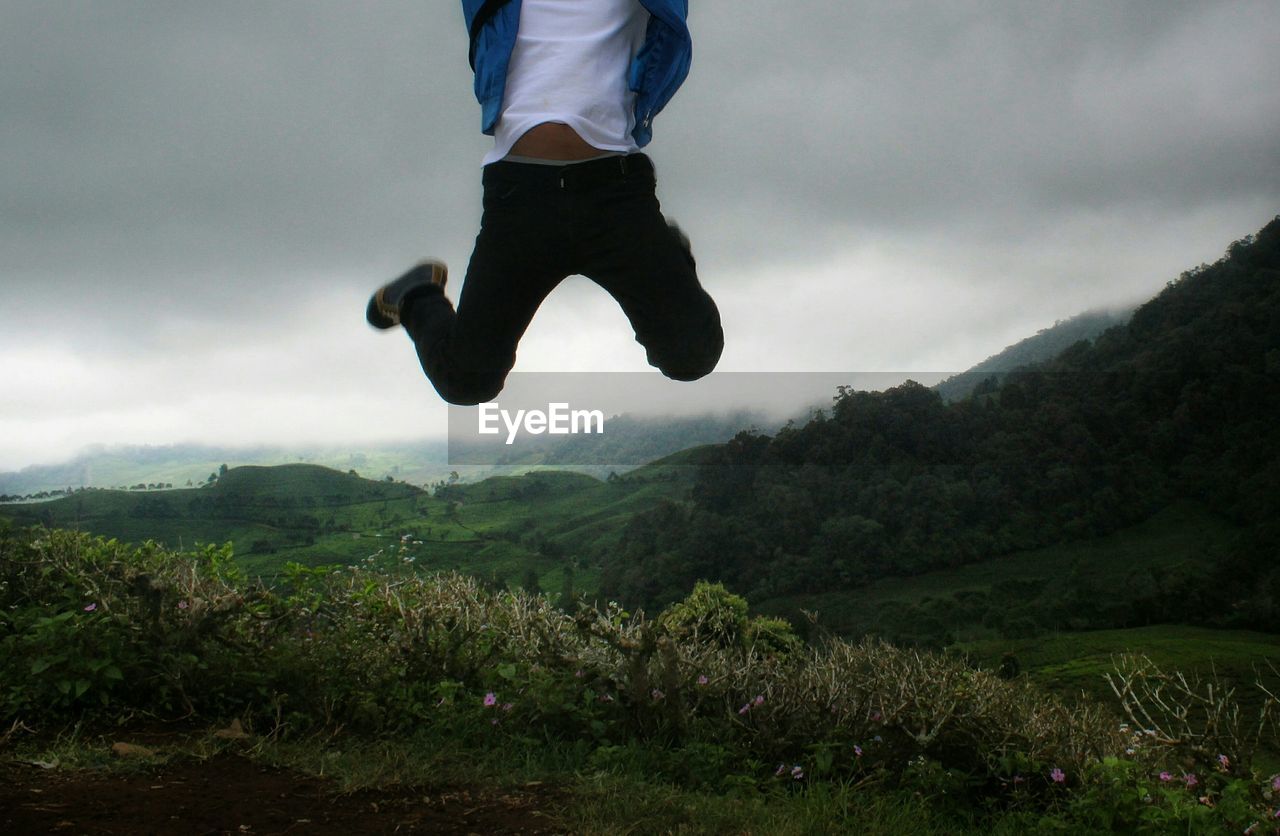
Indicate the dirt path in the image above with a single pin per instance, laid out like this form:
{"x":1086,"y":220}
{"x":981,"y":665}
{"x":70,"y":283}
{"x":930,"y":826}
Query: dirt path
{"x":228,"y":794}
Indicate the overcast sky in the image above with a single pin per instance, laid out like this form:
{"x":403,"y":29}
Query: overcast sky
{"x":196,"y":199}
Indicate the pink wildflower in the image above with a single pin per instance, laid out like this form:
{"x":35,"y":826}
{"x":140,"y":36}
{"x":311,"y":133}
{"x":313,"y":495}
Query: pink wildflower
{"x":1166,"y":777}
{"x":857,"y":751}
{"x":797,"y":772}
{"x":1190,"y":780}
{"x":1058,"y":776}
{"x":759,"y":700}
{"x":656,"y":694}
{"x":744,"y":709}
{"x":182,"y":605}
{"x":90,"y":607}
{"x":1275,"y":783}
{"x":490,"y":700}
{"x":782,"y":768}
{"x":702,"y":679}
{"x":1018,"y":779}
{"x":578,"y":673}
{"x":1224,"y":762}
{"x":507,"y":706}
{"x":876,"y":717}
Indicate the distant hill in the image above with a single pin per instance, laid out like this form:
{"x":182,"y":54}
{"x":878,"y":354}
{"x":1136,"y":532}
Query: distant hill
{"x":189,"y":465}
{"x":1177,"y":405}
{"x":1045,"y":345}
{"x":629,"y":442}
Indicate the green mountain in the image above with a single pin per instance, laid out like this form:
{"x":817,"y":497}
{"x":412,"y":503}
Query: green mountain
{"x":1176,"y":406}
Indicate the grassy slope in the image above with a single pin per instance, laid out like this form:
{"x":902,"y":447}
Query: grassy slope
{"x":1177,"y":534}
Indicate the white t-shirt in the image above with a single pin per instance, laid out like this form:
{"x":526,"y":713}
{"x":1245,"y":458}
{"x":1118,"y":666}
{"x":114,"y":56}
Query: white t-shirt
{"x":570,"y":65}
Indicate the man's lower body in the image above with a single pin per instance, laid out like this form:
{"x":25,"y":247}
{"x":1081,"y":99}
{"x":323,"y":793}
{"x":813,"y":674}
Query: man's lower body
{"x":542,"y":223}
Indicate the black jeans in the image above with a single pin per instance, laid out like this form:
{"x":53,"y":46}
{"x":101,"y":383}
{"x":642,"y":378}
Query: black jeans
{"x":542,"y":223}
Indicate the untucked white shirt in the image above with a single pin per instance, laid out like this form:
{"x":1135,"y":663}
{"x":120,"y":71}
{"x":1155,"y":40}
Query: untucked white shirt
{"x":570,"y":65}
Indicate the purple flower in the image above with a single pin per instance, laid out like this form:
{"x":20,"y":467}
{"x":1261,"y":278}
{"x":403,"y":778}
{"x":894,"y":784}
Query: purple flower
{"x":490,"y":700}
{"x":797,"y":772}
{"x":702,"y":679}
{"x":182,"y":605}
{"x":876,"y":717}
{"x":1058,"y":776}
{"x":656,"y":694}
{"x":1166,"y":777}
{"x":507,"y":706}
{"x":1190,"y":780}
{"x":759,"y":700}
{"x":90,"y":607}
{"x":782,"y":768}
{"x":578,"y":673}
{"x":1275,"y":783}
{"x":857,"y":751}
{"x":1224,"y":762}
{"x":744,"y":709}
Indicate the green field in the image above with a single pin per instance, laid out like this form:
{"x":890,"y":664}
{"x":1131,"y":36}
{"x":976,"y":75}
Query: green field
{"x":512,"y":529}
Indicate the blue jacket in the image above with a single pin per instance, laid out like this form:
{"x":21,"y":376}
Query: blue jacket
{"x":657,"y":72}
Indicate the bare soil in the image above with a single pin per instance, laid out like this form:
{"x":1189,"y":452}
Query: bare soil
{"x":229,"y":794}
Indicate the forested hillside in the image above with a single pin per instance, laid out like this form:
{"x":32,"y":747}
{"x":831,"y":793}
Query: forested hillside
{"x":1178,"y":405}
{"x":1041,"y":346}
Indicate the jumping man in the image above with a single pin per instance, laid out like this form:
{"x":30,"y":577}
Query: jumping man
{"x":568,"y":89}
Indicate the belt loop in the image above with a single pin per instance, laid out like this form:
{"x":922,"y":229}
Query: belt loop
{"x":622,"y":164}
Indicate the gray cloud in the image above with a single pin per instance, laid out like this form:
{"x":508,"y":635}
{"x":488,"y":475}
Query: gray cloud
{"x":179,"y":175}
